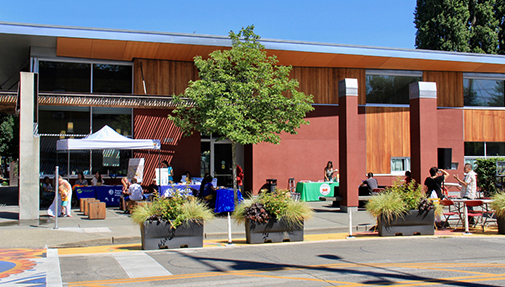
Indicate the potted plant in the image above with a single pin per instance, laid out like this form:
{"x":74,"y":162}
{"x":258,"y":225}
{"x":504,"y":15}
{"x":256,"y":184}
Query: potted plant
{"x":498,"y":205}
{"x":402,"y":209}
{"x":273,"y":217}
{"x":172,"y":222}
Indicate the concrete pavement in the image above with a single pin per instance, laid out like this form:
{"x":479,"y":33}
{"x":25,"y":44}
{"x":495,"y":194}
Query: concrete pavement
{"x":118,"y":228}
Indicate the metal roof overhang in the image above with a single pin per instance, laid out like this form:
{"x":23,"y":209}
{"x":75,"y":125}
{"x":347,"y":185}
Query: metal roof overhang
{"x":126,"y":45}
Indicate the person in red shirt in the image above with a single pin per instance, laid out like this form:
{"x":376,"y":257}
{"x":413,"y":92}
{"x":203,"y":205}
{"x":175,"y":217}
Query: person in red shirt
{"x":240,"y":177}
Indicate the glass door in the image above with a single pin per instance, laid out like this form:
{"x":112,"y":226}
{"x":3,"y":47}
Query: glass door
{"x":216,"y":159}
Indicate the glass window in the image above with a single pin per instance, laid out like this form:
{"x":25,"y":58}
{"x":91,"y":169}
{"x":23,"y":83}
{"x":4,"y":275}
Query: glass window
{"x":64,"y":77}
{"x":399,"y":165}
{"x":488,"y":93}
{"x":113,"y":162}
{"x":474,"y":149}
{"x":389,"y":89}
{"x":112,"y":78}
{"x":119,"y":119}
{"x":495,"y":149}
{"x":63,"y":120}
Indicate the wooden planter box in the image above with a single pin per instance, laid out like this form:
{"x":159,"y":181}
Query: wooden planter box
{"x":412,"y":223}
{"x":501,"y":225}
{"x":273,"y":231}
{"x":159,"y":235}
{"x":97,"y":210}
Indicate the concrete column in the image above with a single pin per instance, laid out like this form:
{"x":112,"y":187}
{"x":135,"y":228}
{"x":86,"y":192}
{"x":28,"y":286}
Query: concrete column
{"x":351,"y":149}
{"x":423,"y":129}
{"x":29,"y":150}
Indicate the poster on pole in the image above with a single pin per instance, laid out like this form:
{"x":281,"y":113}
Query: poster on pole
{"x":162,"y":176}
{"x":136,"y":169}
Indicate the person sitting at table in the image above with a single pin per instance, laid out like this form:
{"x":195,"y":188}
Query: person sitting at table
{"x":97,"y":179}
{"x":135,"y":191}
{"x":368,"y":185}
{"x":329,"y":171}
{"x":165,"y":164}
{"x":80,"y":180}
{"x":408,"y":177}
{"x":186,"y":178}
{"x":208,"y":191}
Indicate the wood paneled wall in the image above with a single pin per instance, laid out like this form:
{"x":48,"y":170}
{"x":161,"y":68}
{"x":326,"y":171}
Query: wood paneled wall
{"x":449,"y":87}
{"x":163,"y":77}
{"x":387,"y":135}
{"x":322,"y":83}
{"x":484,"y":125}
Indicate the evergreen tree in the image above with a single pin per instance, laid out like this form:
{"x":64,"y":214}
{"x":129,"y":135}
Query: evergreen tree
{"x":499,"y":9}
{"x":442,"y":25}
{"x":483,"y":27}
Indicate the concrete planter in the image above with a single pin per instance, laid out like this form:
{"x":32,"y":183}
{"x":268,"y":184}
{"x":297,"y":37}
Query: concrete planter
{"x":273,"y":231}
{"x":412,"y":223}
{"x":159,"y":235}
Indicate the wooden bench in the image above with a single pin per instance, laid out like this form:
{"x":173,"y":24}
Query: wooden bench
{"x":131,"y":204}
{"x":86,"y":205}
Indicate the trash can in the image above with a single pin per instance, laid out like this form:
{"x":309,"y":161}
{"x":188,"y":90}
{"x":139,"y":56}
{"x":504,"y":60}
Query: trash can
{"x":272,"y":184}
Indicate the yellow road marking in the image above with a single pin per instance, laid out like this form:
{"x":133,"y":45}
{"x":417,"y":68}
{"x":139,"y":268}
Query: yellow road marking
{"x":257,"y":273}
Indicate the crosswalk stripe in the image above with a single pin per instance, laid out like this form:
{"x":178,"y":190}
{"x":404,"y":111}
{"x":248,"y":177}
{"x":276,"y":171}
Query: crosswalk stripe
{"x":139,"y":264}
{"x":52,"y":268}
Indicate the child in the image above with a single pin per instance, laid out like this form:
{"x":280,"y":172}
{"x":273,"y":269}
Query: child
{"x":62,"y":189}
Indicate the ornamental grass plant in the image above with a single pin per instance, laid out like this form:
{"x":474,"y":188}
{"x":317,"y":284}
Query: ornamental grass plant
{"x":395,"y":201}
{"x":176,"y":210}
{"x":498,"y":204}
{"x":277,"y":205}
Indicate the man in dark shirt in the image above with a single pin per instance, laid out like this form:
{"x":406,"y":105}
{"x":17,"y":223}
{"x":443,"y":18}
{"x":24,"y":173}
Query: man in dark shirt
{"x":368,"y":185}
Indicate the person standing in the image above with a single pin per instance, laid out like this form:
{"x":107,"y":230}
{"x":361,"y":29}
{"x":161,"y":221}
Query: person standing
{"x":329,"y":171}
{"x":240,"y":177}
{"x":433,"y":183}
{"x":55,"y":210}
{"x":165,"y":164}
{"x":469,"y":183}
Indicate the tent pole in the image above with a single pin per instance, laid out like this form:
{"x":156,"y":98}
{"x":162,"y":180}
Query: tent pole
{"x":68,"y":164}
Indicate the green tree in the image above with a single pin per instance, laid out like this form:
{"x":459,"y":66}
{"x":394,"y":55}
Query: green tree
{"x":483,"y":27}
{"x":499,"y":9}
{"x":442,"y":25}
{"x":9,"y":131}
{"x":242,"y":95}
{"x":486,"y":174}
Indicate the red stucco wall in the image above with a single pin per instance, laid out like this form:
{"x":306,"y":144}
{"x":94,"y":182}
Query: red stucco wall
{"x":302,"y":156}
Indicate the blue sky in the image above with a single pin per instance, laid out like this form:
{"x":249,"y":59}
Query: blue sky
{"x":385,"y":23}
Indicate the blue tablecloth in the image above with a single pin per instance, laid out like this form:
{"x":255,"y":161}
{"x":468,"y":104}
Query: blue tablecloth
{"x":168,"y":190}
{"x":110,"y":194}
{"x":224,"y":200}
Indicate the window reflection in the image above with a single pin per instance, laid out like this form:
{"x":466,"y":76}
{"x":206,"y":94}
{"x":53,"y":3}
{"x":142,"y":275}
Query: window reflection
{"x":387,"y":89}
{"x":64,"y":77}
{"x":489,"y":93}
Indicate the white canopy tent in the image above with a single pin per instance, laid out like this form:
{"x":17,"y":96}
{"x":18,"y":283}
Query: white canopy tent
{"x":106,"y":138}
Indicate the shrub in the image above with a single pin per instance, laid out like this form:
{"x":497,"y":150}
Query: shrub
{"x":276,"y":205}
{"x":176,"y":210}
{"x":486,"y":174}
{"x":498,"y":204}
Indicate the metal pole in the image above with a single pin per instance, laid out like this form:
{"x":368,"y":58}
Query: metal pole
{"x":229,"y":229}
{"x":349,"y":212}
{"x":466,"y":220}
{"x":56,"y":205}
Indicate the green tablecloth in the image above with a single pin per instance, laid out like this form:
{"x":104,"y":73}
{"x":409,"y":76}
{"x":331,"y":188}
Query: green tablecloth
{"x":311,"y":191}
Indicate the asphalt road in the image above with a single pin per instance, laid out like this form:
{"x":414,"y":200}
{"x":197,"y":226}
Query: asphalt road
{"x":406,"y":261}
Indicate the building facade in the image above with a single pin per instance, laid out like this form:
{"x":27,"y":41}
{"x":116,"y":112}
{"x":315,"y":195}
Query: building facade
{"x":91,"y":77}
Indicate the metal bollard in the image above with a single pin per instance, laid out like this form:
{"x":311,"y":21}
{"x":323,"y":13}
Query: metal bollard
{"x":56,"y":183}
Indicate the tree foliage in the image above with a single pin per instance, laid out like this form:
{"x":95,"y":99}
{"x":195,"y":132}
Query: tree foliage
{"x":242,"y":95}
{"x":460,"y":25}
{"x":9,"y":130}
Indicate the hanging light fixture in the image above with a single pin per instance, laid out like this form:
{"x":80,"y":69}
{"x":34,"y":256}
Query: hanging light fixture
{"x":70,"y":127}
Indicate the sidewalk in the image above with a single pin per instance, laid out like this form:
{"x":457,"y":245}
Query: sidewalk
{"x":117,"y":228}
